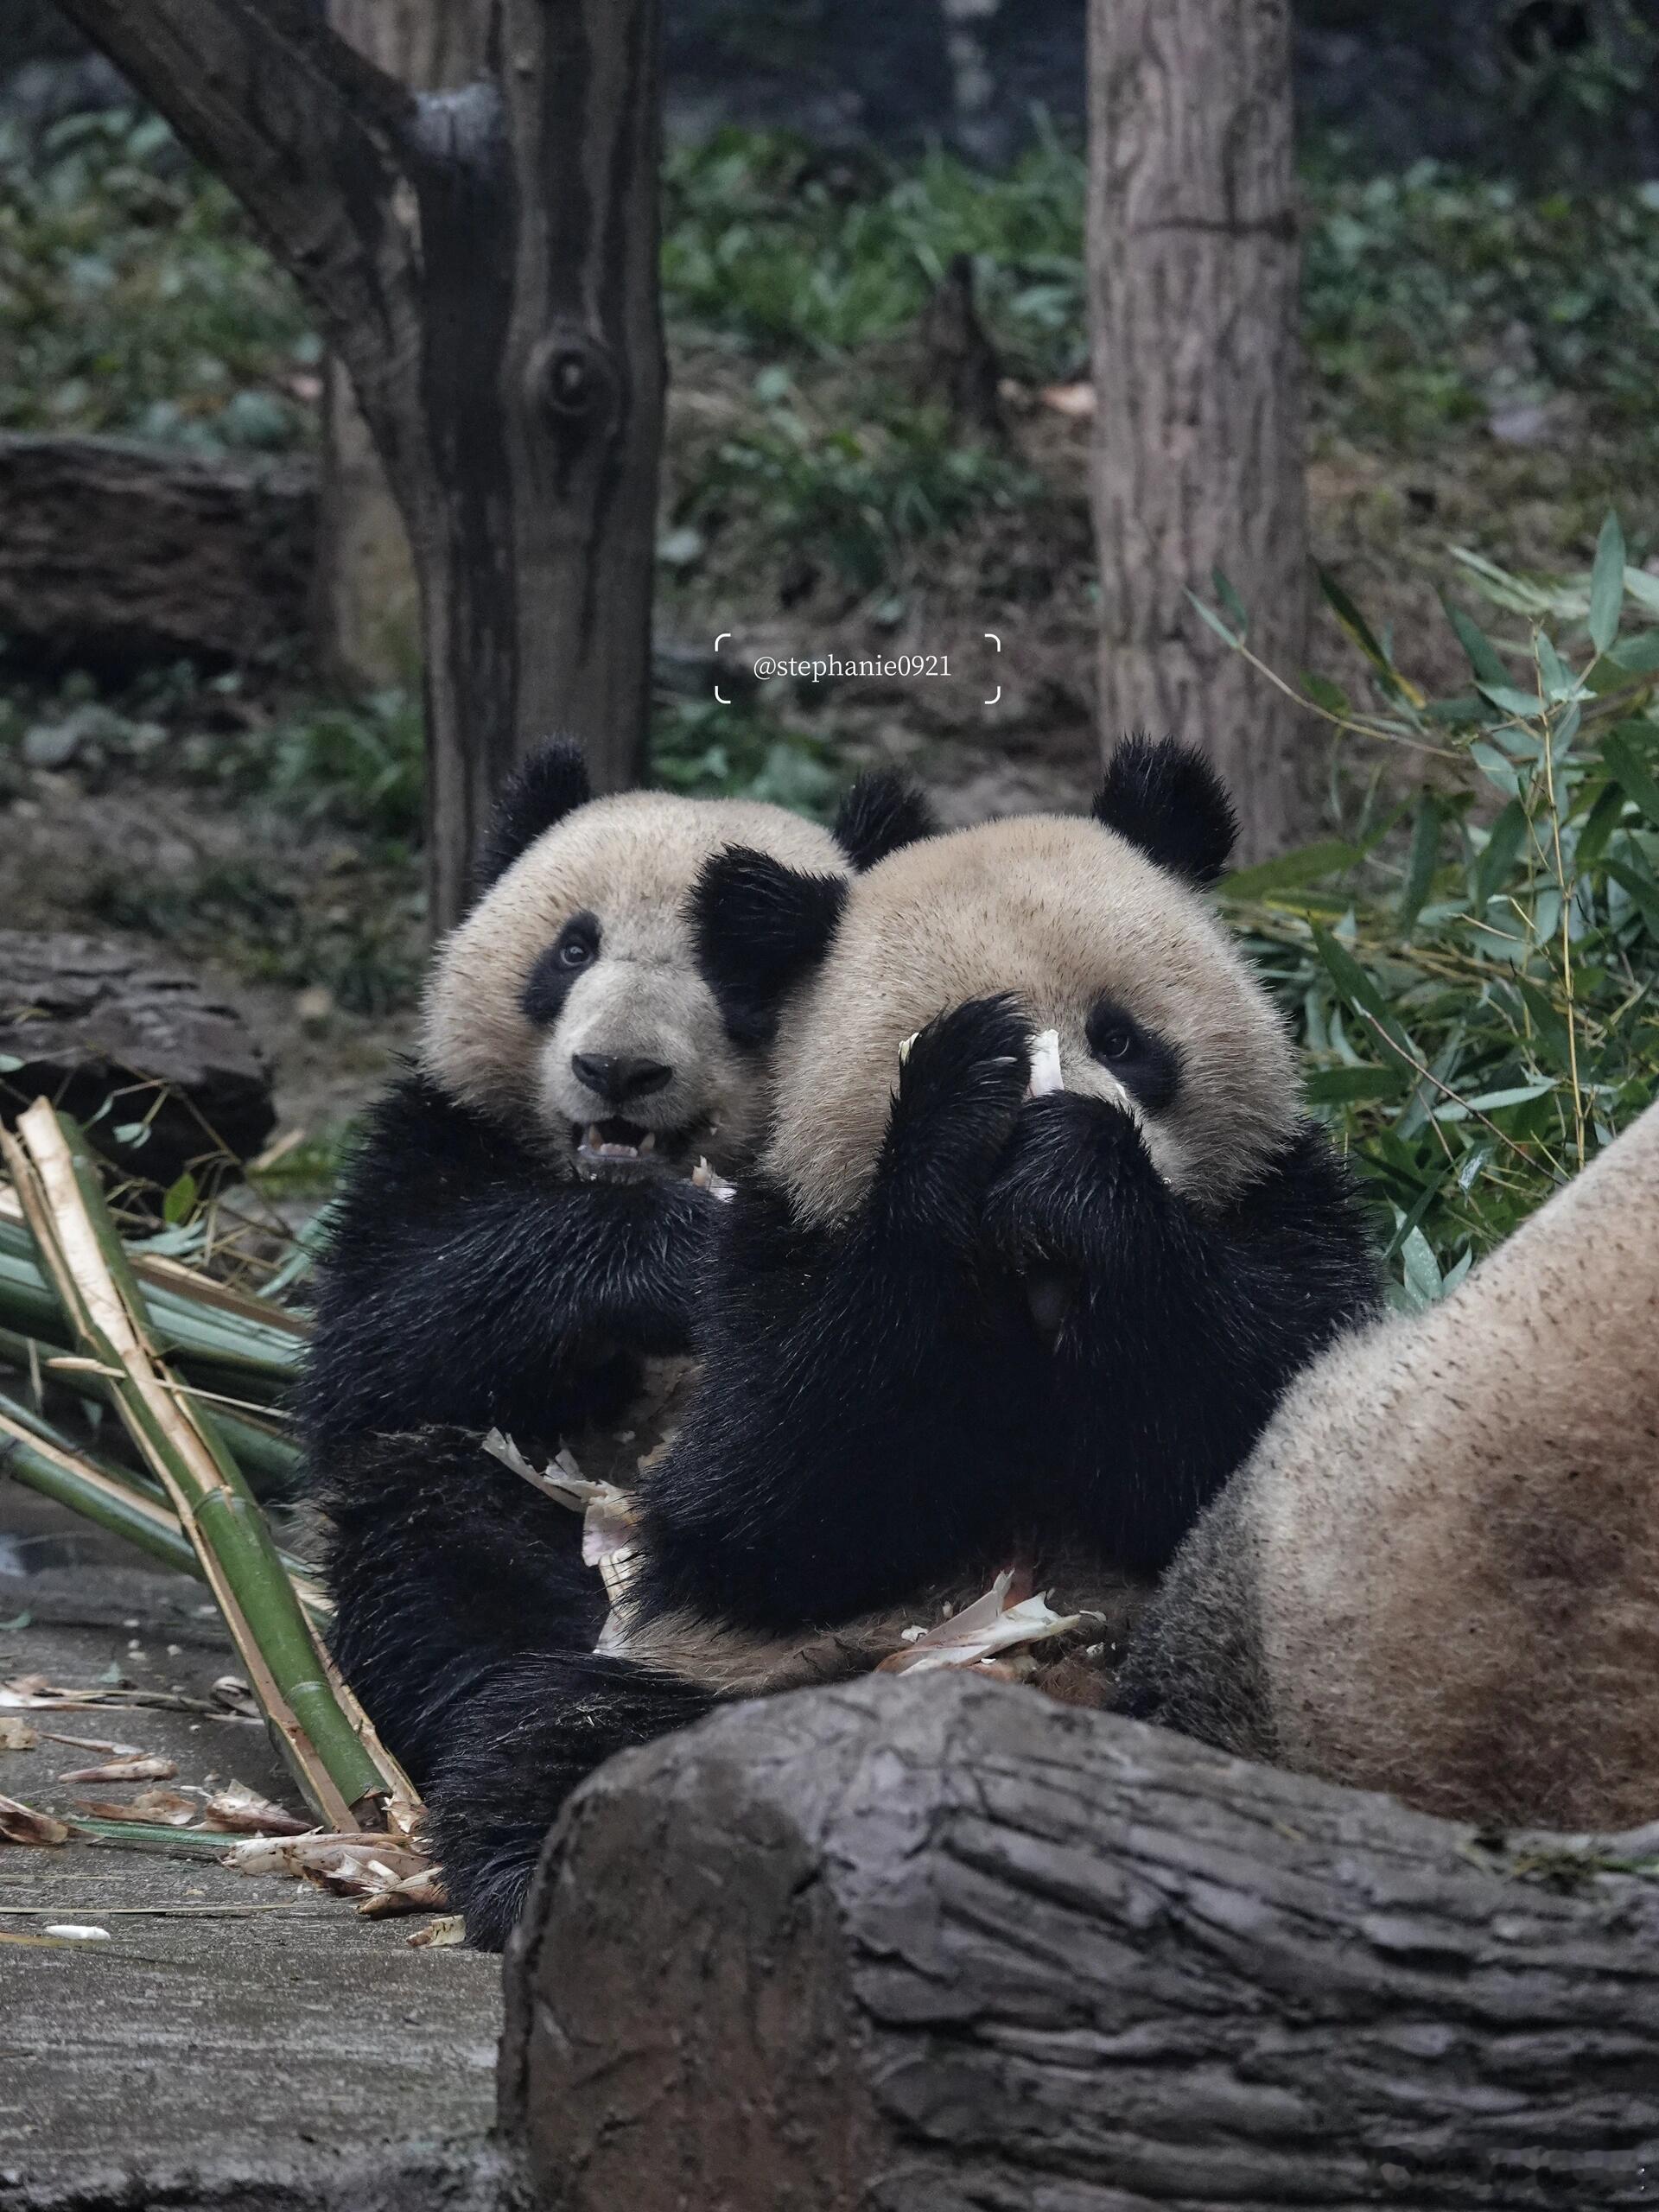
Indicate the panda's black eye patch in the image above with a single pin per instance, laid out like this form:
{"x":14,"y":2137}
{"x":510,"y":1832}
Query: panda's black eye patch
{"x":1146,"y":1064}
{"x":575,"y":948}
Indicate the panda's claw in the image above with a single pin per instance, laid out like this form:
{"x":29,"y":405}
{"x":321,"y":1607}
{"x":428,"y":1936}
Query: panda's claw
{"x":960,"y":1085}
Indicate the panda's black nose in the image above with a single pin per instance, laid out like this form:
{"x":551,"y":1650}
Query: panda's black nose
{"x":617,"y":1078}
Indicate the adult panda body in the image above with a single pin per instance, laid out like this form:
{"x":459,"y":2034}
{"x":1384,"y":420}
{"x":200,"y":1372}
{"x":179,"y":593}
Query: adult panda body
{"x":518,"y":1231}
{"x":1438,"y":1572}
{"x":950,"y":1323}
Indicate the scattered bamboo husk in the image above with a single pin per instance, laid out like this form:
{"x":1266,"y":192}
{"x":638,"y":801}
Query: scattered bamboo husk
{"x":21,"y":1823}
{"x":36,"y":1453}
{"x":338,"y":1761}
{"x":143,"y":1766}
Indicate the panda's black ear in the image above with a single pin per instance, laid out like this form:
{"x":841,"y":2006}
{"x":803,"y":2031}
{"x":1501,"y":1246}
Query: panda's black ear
{"x":551,"y":784}
{"x":760,"y":927}
{"x":1169,"y":801}
{"x":881,"y":812}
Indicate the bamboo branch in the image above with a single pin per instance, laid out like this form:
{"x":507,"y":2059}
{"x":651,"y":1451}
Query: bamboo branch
{"x":317,"y":141}
{"x":336,"y":1758}
{"x":36,"y":1453}
{"x":255,"y":1444}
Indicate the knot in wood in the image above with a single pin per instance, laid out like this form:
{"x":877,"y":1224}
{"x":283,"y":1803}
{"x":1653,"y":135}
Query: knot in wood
{"x":573,"y":377}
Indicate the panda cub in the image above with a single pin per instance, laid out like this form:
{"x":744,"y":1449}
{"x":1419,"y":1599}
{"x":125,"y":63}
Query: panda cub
{"x":950,"y":1323}
{"x":520,"y":1228}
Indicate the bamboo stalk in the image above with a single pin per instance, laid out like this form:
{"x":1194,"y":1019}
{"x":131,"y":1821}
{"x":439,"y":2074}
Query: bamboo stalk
{"x":116,"y":1499}
{"x":190,"y":1315}
{"x":338,"y":1762}
{"x":258,"y":1446}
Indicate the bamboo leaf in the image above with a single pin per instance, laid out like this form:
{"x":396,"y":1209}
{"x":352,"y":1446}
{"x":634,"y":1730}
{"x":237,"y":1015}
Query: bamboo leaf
{"x":1634,"y":773}
{"x":1607,"y":584}
{"x":1421,"y":861}
{"x":1215,"y":621}
{"x":1503,"y":841}
{"x":1305,"y":865}
{"x":1483,"y":656}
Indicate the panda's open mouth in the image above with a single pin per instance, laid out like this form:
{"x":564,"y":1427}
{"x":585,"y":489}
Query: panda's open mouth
{"x":621,"y":1149}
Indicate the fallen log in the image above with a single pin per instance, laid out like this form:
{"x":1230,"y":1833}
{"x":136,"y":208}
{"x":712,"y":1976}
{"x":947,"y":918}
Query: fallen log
{"x":115,"y":556}
{"x":85,"y":1020}
{"x":918,"y":1946}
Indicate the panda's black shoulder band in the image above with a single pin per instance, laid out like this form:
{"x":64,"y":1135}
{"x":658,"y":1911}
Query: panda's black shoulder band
{"x":881,"y":813}
{"x":759,"y":928}
{"x":1167,"y":799}
{"x":551,"y":784}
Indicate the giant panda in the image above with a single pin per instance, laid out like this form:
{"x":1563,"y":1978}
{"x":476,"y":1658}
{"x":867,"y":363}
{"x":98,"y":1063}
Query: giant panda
{"x":1438,"y":1573}
{"x":949,"y":1324}
{"x":520,"y":1228}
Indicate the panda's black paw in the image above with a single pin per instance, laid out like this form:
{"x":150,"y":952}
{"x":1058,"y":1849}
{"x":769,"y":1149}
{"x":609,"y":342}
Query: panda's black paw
{"x":1065,"y":1188}
{"x":960,"y":1085}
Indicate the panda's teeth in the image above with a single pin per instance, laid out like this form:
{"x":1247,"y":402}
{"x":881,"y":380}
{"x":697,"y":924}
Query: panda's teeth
{"x":648,"y":1142}
{"x":595,"y":1138}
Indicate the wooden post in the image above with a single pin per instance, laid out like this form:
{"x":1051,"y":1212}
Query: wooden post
{"x":1198,"y":462}
{"x":484,"y":262}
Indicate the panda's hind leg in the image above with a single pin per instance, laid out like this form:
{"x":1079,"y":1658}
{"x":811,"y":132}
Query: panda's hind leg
{"x":532,"y":1732}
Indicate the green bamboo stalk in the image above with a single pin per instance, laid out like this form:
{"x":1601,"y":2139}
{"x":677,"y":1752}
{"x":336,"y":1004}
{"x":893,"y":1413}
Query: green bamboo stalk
{"x":338,"y":1763}
{"x":259,"y":1358}
{"x":116,"y":1499}
{"x":274,"y":1461}
{"x":80,"y":1482}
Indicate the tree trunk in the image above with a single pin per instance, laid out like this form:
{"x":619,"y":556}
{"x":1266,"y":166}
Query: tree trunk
{"x":366,"y":615}
{"x":915,"y":1947}
{"x":484,"y":264}
{"x":1198,"y":462}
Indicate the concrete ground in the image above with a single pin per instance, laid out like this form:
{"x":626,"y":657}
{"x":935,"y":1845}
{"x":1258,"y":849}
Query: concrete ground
{"x":233,"y":2040}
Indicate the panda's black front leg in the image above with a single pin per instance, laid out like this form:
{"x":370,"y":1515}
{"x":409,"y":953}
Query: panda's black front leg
{"x":1173,"y":1328}
{"x":851,"y":1436}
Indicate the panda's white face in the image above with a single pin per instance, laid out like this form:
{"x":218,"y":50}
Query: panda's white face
{"x":568,"y":1006}
{"x":1154,"y":1005}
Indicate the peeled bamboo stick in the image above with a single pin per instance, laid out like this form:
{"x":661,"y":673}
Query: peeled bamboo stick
{"x":338,"y":1761}
{"x":116,"y":1499}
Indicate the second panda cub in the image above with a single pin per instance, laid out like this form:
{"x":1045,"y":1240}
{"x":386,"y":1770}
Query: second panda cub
{"x":952,"y":1318}
{"x":949,"y":1324}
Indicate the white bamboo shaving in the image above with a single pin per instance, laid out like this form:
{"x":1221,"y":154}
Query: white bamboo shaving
{"x":989,"y":1625}
{"x":609,"y":1516}
{"x":711,"y":1179}
{"x":1046,"y":1074}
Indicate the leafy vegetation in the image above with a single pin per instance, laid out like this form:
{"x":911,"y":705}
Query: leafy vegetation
{"x":133,"y":298}
{"x":1473,"y":972}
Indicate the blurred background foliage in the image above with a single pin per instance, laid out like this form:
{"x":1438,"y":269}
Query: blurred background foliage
{"x":1470,"y":958}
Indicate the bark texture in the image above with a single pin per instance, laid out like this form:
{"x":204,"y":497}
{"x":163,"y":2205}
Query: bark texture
{"x":367,"y":607}
{"x":920,"y":1946}
{"x":485,"y":264}
{"x":1198,"y":462}
{"x":87,"y":1017}
{"x":115,"y":556}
